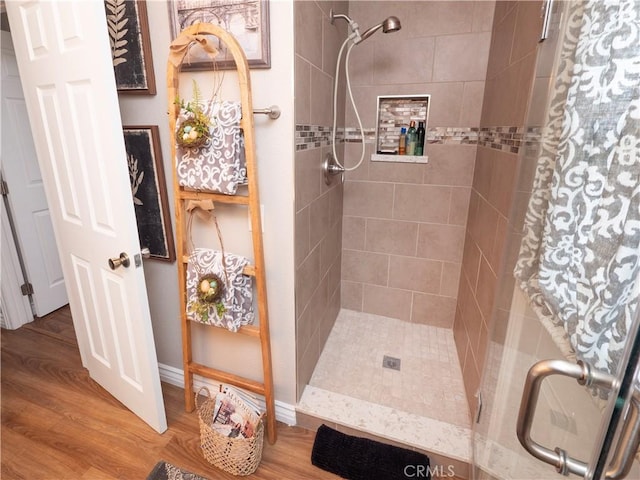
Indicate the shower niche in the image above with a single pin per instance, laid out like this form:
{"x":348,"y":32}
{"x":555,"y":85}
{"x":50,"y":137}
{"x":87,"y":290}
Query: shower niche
{"x":393,"y":113}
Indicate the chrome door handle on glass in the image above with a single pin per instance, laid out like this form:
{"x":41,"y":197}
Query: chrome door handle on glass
{"x":585,"y":376}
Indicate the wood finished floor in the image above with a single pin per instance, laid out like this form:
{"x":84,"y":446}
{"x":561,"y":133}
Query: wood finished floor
{"x":58,"y":424}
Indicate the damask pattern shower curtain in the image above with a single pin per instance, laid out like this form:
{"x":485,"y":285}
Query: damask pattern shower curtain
{"x":579,"y":260}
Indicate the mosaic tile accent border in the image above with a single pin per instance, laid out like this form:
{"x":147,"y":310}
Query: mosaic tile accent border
{"x":506,"y":139}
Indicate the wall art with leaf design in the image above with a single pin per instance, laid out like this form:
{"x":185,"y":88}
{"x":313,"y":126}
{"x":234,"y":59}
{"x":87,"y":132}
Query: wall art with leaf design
{"x":128,"y":28}
{"x":149,"y":191}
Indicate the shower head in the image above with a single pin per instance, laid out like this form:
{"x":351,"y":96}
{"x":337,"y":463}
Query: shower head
{"x":390,"y":24}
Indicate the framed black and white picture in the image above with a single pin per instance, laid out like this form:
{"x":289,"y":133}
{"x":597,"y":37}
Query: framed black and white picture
{"x":149,"y":191}
{"x":246,"y":20}
{"x":128,"y":28}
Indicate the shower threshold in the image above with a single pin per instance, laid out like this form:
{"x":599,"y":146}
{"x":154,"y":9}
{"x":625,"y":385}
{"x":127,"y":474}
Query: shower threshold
{"x":421,"y":407}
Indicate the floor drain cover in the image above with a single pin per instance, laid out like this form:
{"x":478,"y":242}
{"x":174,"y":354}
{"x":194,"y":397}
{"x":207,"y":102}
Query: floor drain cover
{"x":391,"y":362}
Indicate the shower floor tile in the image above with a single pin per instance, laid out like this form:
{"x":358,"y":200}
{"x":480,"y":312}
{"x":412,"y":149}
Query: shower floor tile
{"x":428,"y":384}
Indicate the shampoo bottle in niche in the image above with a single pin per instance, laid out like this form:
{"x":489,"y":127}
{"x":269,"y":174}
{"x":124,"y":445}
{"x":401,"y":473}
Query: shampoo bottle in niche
{"x":420,"y":133}
{"x":411,"y":138}
{"x":402,"y":143}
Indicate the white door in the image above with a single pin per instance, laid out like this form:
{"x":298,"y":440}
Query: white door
{"x":27,"y":199}
{"x":67,"y":76}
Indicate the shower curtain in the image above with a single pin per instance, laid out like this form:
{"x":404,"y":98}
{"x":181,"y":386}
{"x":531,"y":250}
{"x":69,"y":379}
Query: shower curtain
{"x":579,"y":259}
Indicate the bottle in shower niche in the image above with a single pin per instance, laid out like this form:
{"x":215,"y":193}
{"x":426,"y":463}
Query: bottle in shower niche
{"x":420,"y":133}
{"x":411,"y":138}
{"x":402,"y":142}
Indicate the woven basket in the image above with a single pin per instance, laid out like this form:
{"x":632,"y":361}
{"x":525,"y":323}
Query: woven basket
{"x":237,"y":456}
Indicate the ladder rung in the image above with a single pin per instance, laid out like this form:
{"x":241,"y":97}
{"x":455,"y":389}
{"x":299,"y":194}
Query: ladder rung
{"x":216,"y":197}
{"x":248,"y":270}
{"x":226,"y":377}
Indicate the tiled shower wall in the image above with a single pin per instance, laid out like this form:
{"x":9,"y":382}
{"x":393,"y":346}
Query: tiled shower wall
{"x":318,"y":206}
{"x":404,"y":224}
{"x":510,"y":73}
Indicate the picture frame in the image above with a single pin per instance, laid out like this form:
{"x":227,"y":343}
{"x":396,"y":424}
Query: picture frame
{"x":128,"y":27}
{"x":246,"y":20}
{"x":149,"y":190}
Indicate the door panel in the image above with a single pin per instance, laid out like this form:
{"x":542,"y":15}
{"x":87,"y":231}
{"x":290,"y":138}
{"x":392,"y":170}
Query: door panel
{"x":27,"y":199}
{"x":578,"y":423}
{"x":65,"y":65}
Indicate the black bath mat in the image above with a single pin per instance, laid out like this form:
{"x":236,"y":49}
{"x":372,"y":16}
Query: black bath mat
{"x":358,"y":458}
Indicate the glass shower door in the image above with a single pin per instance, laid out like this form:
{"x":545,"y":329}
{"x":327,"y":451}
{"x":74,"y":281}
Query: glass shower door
{"x":559,"y":389}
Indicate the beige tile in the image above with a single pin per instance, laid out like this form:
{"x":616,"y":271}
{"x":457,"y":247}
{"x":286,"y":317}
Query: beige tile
{"x":302,"y":247}
{"x":307,"y":279}
{"x":421,"y":203}
{"x":450,"y":165}
{"x":320,"y":219}
{"x":501,"y":41}
{"x":441,"y":242}
{"x":445,"y":104}
{"x":439,"y":18}
{"x":487,"y":283}
{"x":306,"y":365}
{"x":485,"y":224}
{"x":397,"y":172}
{"x":501,"y":241}
{"x":321,"y":88}
{"x":461,"y":57}
{"x":303,"y":91}
{"x":434,"y":310}
{"x":330,"y":248}
{"x":471,"y":383}
{"x":450,"y":279}
{"x":308,"y":177}
{"x":353,"y":230}
{"x":388,"y":302}
{"x":364,"y":199}
{"x":391,"y":236}
{"x":410,"y":273}
{"x":528,"y":27}
{"x":308,"y":27}
{"x":483,"y":172}
{"x":365,"y":267}
{"x":459,"y":207}
{"x":483,"y":11}
{"x":389,"y":68}
{"x":471,"y":260}
{"x":351,"y":295}
{"x":472,"y":99}
{"x":503,"y":180}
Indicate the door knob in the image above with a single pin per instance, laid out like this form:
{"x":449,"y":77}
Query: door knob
{"x":145,"y":252}
{"x":122,"y":260}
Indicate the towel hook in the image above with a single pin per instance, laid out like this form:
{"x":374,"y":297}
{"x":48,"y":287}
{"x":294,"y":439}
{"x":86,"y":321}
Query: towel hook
{"x":273,"y":111}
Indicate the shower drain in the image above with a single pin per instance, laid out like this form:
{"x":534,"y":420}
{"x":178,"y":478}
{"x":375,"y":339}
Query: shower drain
{"x":391,"y":362}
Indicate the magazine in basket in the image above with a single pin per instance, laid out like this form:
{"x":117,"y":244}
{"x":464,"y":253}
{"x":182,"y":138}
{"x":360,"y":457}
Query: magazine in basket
{"x":235,"y":415}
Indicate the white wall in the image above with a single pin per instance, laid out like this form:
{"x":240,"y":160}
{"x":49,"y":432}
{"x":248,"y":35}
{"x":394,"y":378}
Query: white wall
{"x":275,"y":149}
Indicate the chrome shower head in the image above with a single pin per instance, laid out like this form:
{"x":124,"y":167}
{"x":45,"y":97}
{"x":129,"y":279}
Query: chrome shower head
{"x":390,"y":24}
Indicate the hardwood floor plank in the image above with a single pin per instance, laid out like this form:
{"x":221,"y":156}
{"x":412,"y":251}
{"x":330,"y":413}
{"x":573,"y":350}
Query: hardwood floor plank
{"x":58,"y":424}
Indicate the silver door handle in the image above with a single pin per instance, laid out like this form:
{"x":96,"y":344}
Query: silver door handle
{"x":628,"y":442}
{"x":537,"y":373}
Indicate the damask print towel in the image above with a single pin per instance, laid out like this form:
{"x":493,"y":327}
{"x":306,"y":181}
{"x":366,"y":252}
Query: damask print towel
{"x":580,"y":257}
{"x":219,"y":165}
{"x":237,"y":296}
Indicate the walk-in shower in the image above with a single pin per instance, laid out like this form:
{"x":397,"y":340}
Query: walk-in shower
{"x":331,"y":165}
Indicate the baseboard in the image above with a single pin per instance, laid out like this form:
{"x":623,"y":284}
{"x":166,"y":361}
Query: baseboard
{"x":285,"y":412}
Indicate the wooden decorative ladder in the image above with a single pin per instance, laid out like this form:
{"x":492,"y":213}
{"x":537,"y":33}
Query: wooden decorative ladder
{"x":252,"y":201}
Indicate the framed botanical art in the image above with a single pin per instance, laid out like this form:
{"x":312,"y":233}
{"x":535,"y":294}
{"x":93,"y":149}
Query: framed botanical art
{"x":246,"y":20}
{"x":149,"y":191}
{"x":128,"y":28}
